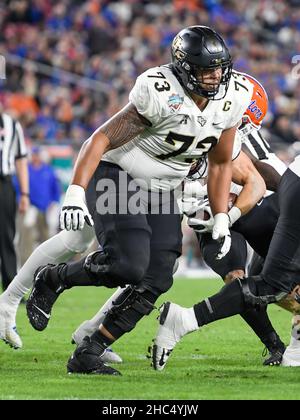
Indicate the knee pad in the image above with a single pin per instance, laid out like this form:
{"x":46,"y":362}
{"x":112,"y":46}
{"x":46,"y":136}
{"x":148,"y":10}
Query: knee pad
{"x":127,"y":310}
{"x":113,"y":273}
{"x":77,"y":241}
{"x":254,"y":297}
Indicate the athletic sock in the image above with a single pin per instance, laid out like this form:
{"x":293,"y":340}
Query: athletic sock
{"x":260,"y":323}
{"x":227,"y":302}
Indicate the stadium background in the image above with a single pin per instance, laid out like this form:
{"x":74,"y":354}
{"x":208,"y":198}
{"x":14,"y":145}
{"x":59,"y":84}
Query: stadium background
{"x":71,"y":64}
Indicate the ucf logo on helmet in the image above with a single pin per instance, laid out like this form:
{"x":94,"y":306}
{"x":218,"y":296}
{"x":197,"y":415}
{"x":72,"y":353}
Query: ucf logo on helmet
{"x":177,"y":48}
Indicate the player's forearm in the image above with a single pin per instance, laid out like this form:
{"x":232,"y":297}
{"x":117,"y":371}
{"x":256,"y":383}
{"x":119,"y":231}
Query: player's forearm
{"x":117,"y":131}
{"x":22,"y":174}
{"x":218,"y":186}
{"x":253,"y":190}
{"x":254,"y":187}
{"x":88,"y":159}
{"x":269,"y":174}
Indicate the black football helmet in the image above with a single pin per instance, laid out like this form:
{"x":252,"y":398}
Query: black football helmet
{"x":199,"y":48}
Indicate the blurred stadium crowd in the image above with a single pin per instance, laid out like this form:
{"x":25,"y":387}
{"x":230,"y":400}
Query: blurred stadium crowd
{"x":49,"y":43}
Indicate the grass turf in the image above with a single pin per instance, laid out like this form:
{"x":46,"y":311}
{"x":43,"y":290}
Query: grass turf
{"x":221,"y":361}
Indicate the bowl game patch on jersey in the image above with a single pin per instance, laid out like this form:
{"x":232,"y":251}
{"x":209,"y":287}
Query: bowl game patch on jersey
{"x":175,"y":101}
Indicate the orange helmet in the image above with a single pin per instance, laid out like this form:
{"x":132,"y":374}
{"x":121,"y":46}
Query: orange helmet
{"x":258,"y":107}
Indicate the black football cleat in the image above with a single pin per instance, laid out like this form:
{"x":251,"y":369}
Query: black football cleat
{"x":85,"y":361}
{"x":43,"y":295}
{"x":276,"y":351}
{"x":274,"y":358}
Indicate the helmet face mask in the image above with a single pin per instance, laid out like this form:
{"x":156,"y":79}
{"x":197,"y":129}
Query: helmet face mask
{"x":198,"y":169}
{"x":196,"y":50}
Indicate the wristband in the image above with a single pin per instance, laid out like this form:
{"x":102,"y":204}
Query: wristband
{"x":25,"y":194}
{"x":234,"y":214}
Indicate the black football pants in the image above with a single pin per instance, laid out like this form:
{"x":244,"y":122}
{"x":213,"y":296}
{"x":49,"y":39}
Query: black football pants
{"x":281,"y":271}
{"x":141,"y":238}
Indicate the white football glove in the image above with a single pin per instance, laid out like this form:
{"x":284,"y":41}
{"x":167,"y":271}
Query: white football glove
{"x":192,"y":198}
{"x":194,"y":189}
{"x":222,"y":234}
{"x":74,"y":211}
{"x":198,"y":224}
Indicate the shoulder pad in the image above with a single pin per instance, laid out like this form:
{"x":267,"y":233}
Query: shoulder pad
{"x":157,"y":94}
{"x":238,"y":98}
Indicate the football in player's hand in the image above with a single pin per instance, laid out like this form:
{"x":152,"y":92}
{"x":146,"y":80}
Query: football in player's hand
{"x":232,"y":199}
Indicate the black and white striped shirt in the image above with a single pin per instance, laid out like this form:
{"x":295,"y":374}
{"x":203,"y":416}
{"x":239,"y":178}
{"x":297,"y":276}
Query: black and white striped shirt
{"x":12,"y":144}
{"x":260,"y":148}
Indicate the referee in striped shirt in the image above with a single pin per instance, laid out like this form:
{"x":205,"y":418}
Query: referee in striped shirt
{"x":13,"y":159}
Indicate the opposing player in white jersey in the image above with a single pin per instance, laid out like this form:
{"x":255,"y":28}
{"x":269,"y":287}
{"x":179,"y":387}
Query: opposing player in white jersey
{"x":176,"y":114}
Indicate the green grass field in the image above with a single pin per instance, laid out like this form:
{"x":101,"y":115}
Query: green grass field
{"x":222,"y":361}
